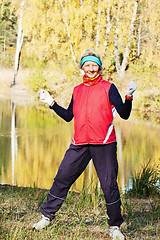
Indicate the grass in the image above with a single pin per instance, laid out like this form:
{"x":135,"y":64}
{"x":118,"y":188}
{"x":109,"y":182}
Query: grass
{"x":145,"y":182}
{"x":75,"y":220}
{"x":82,"y":215}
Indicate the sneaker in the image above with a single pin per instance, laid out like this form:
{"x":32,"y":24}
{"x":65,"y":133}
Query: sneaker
{"x":116,"y":234}
{"x":44,"y":222}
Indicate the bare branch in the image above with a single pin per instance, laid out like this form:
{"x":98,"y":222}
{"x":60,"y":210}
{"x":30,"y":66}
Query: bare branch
{"x":68,"y":33}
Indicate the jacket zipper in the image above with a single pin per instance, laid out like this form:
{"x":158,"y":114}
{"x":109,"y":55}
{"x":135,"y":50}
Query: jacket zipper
{"x":87,"y":128}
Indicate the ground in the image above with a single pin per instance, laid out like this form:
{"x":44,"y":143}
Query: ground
{"x":82,"y":216}
{"x":20,"y":93}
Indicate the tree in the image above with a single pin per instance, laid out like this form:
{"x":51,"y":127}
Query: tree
{"x":19,"y":45}
{"x":121,"y":66}
{"x":108,"y":28}
{"x":60,"y":31}
{"x":8,"y":24}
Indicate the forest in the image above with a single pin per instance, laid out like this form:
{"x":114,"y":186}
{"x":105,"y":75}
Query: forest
{"x":48,"y":37}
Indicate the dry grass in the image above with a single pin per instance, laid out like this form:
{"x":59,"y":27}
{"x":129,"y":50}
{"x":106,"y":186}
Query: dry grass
{"x":79,"y":217}
{"x":20,"y":93}
{"x":6,"y":75}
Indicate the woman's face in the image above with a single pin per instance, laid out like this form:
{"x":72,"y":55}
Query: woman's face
{"x":90,"y":69}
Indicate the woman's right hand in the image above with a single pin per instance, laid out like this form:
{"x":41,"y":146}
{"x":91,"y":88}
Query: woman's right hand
{"x":45,"y":97}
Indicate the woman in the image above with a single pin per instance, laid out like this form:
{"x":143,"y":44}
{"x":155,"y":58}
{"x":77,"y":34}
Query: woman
{"x":93,"y":107}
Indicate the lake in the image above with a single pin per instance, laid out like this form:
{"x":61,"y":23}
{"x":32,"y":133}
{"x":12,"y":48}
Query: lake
{"x":33,"y":141}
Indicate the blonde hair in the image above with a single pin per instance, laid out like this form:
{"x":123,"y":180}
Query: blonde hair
{"x":91,"y":52}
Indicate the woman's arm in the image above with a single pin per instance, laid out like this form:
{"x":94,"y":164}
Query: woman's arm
{"x":123,"y":109}
{"x":66,"y":114}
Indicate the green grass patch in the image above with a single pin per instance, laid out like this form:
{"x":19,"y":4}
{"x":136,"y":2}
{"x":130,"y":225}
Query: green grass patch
{"x":82,"y":215}
{"x":146,"y":182}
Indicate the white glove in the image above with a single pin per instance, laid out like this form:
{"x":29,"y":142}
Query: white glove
{"x":132,"y":86}
{"x":45,"y":97}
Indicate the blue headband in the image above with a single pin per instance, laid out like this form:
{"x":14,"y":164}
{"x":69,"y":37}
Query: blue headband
{"x":92,"y":59}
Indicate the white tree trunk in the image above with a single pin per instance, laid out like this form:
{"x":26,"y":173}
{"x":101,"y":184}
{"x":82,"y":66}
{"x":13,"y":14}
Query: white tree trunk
{"x":98,"y":23}
{"x":126,"y":53}
{"x":19,"y":44}
{"x":139,"y":40}
{"x":68,"y":33}
{"x":116,"y":54}
{"x":121,"y":68}
{"x":109,"y":25}
{"x":86,"y":35}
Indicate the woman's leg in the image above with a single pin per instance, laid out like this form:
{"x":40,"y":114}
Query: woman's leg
{"x":105,"y":162}
{"x":73,"y":164}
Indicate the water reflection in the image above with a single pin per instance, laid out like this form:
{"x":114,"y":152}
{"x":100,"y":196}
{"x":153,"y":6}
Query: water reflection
{"x":13,"y":139}
{"x":33,"y":142}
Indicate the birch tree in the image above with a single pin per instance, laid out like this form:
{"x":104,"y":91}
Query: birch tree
{"x":108,"y":28}
{"x":98,"y":24}
{"x":116,"y":52}
{"x":60,"y":31}
{"x":122,"y":66}
{"x":139,"y":39}
{"x":19,"y":44}
{"x":83,"y":19}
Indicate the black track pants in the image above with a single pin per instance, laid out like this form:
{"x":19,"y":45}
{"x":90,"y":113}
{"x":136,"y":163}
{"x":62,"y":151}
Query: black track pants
{"x":73,"y":164}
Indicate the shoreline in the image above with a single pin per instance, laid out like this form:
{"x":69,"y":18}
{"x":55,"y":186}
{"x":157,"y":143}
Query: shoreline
{"x":21,"y":94}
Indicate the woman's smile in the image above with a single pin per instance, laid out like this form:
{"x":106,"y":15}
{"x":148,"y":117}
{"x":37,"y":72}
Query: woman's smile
{"x":90,"y":69}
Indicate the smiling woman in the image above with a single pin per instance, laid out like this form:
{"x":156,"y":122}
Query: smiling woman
{"x":91,"y":65}
{"x":90,"y":69}
{"x":92,"y":106}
